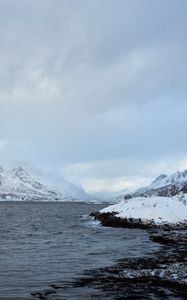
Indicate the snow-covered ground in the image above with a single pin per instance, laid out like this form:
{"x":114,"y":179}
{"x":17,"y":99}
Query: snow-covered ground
{"x":159,"y":209}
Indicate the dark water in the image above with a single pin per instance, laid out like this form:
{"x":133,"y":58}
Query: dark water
{"x":46,"y":243}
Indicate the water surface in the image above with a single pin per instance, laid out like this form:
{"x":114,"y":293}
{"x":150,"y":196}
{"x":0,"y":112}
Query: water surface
{"x":43,"y":243}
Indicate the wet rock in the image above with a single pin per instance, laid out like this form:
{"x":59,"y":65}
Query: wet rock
{"x":171,"y":237}
{"x":161,"y":276}
{"x":110,"y":219}
{"x":175,"y":273}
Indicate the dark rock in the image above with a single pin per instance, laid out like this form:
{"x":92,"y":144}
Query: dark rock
{"x":171,"y":237}
{"x":110,"y":219}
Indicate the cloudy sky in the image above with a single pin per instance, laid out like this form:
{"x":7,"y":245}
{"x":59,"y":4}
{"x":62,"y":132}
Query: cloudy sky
{"x":94,"y":90}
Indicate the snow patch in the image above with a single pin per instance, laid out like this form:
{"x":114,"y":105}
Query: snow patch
{"x":159,"y":209}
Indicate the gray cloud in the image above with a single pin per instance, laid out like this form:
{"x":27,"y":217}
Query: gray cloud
{"x":92,"y":82}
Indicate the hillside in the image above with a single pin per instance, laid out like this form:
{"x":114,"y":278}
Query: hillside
{"x":163,"y":186}
{"x":21,"y":184}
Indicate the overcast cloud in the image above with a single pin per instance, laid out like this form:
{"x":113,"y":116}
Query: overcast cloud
{"x":95,"y":90}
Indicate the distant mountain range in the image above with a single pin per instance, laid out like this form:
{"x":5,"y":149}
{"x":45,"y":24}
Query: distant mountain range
{"x":163,"y":186}
{"x":21,"y":184}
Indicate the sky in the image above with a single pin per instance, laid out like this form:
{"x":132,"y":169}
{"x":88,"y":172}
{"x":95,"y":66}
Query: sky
{"x":94,"y":90}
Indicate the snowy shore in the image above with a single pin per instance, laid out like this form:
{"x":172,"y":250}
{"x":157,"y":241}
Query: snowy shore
{"x":145,"y":212}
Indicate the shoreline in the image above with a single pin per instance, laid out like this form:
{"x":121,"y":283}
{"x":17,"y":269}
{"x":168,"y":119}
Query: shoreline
{"x":161,"y":275}
{"x":110,"y":219}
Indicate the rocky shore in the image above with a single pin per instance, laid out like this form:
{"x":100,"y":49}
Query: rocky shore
{"x":162,"y":275}
{"x":111,"y":219}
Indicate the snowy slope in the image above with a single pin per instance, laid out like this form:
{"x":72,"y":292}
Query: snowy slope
{"x":70,"y":190}
{"x":19,"y":184}
{"x":164,"y":180}
{"x":164,"y":186}
{"x":22,"y":184}
{"x":159,"y":209}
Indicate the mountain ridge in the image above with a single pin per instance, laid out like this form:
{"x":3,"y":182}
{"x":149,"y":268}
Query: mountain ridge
{"x":20,"y":184}
{"x":164,"y":186}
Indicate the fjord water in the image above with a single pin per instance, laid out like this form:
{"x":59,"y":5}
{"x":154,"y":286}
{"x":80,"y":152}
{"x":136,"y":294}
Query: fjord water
{"x":42,"y":243}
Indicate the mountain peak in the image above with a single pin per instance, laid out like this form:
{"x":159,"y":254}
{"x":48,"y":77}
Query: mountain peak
{"x":161,"y":180}
{"x":19,"y":172}
{"x":21,"y":183}
{"x":180,"y":175}
{"x":165,"y":185}
{"x":164,"y":180}
{"x":160,"y":177}
{"x":18,"y":169}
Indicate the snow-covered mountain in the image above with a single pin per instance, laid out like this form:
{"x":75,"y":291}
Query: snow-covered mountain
{"x":178,"y":178}
{"x":72,"y":191}
{"x":164,"y":185}
{"x":19,"y":184}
